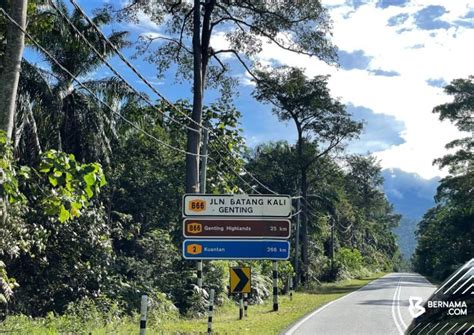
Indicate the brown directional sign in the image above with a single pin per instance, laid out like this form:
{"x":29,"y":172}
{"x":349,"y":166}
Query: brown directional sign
{"x":236,"y":228}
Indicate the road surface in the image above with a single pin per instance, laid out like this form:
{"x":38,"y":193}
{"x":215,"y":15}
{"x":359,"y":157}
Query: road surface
{"x":379,"y":308}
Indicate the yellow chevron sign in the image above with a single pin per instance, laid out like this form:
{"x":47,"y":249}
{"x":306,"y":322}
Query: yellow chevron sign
{"x":240,"y":280}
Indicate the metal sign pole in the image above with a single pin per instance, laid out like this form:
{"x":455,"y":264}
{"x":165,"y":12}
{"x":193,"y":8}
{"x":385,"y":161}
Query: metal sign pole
{"x":241,"y":306}
{"x":246,"y":304}
{"x":275,"y":286}
{"x":291,"y":289}
{"x":211,"y":308}
{"x":143,"y":312}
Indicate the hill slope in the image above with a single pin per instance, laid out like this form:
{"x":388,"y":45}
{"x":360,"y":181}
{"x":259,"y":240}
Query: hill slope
{"x":411,"y":195}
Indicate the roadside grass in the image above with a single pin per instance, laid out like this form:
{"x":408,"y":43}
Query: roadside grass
{"x":261,"y":318}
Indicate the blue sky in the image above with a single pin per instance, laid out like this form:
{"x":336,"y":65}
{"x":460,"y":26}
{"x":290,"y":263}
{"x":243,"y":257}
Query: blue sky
{"x":395,"y":56}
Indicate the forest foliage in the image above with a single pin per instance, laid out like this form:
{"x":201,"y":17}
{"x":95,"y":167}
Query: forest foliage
{"x":446,"y":232}
{"x":91,"y":196}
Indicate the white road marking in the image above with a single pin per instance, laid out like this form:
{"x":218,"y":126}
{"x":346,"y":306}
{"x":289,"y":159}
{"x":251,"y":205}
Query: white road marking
{"x":394,"y":317}
{"x":309,"y":316}
{"x":398,"y":306}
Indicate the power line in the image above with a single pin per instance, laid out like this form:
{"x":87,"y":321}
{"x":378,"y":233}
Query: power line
{"x":46,"y":52}
{"x":236,"y":173}
{"x":103,"y":59}
{"x":39,"y":46}
{"x":297,"y":213}
{"x":129,"y":65}
{"x":115,"y":72}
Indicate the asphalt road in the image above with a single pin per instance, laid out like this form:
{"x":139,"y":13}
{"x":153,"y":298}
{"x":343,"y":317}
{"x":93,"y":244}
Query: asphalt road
{"x":380,"y":308}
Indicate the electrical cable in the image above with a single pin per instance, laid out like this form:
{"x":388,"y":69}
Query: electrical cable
{"x":46,"y":52}
{"x":125,"y":60}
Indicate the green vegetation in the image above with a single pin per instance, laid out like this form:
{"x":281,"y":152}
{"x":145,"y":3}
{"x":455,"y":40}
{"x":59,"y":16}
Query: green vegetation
{"x":446,"y":233}
{"x":261,"y":319}
{"x":93,"y":175}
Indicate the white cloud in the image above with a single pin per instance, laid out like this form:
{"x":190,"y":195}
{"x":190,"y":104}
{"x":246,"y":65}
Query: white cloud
{"x":446,"y":54}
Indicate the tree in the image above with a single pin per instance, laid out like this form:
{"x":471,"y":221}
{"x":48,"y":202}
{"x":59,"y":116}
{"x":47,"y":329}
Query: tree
{"x":347,"y":208}
{"x":10,"y":72}
{"x":65,"y":115}
{"x":446,"y":232}
{"x":459,"y":184}
{"x":318,"y":118}
{"x":246,"y":25}
{"x":371,"y":230}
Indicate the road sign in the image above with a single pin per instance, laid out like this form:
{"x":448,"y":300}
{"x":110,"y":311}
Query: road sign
{"x":236,"y":249}
{"x":236,"y":228}
{"x":240,"y":280}
{"x":237,"y":205}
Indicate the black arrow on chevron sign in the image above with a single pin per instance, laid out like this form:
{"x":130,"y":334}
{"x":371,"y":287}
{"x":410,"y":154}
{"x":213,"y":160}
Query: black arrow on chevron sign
{"x":243,"y":280}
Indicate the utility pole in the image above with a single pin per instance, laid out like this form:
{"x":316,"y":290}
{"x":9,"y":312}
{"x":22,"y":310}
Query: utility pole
{"x":332,"y":244}
{"x":202,"y":189}
{"x":10,"y":74}
{"x":297,"y":241}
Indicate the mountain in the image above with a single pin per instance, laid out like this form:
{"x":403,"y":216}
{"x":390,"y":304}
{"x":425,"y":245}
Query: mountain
{"x":411,"y":196}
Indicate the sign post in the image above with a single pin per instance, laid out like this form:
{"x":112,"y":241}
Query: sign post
{"x":238,"y":227}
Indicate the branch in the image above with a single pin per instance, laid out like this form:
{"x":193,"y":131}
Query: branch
{"x":262,"y":13}
{"x":240,"y":60}
{"x":224,"y":69}
{"x":334,"y":143}
{"x":179,"y":43}
{"x":183,"y":26}
{"x":240,"y":22}
{"x":226,"y":18}
{"x":173,"y":6}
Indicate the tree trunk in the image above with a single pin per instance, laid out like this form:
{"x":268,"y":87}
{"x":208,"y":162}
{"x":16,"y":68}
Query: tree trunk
{"x":304,"y":222}
{"x":12,"y":64}
{"x":201,"y":60}
{"x":194,"y":137}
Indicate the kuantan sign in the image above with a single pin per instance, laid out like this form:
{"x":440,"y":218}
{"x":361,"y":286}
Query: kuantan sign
{"x":236,"y":228}
{"x":240,"y":280}
{"x":236,"y":249}
{"x":271,"y":206}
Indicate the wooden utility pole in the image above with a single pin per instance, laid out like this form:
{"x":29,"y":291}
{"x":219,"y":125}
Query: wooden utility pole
{"x":297,"y":241}
{"x":10,"y":74}
{"x":333,"y":226}
{"x":202,"y":185}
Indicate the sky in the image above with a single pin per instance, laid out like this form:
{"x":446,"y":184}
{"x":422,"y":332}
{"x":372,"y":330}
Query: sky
{"x":395,"y":57}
